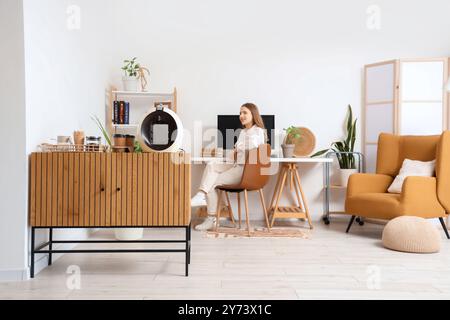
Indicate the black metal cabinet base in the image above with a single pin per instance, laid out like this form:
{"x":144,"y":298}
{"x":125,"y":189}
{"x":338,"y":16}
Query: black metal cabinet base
{"x":50,"y":251}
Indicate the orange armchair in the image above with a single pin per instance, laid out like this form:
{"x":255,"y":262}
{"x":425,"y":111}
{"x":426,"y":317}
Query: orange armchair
{"x":426,"y":197}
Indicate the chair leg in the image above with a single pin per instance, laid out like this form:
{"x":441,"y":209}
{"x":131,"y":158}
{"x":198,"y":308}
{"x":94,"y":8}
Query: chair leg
{"x":246,"y":211}
{"x":264,"y":208}
{"x":238,"y":194}
{"x":230,"y":211}
{"x":350,"y":224}
{"x":445,"y":227}
{"x":218,"y":209}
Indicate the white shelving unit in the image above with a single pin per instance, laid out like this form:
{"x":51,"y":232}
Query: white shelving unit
{"x":125,"y":126}
{"x":141,"y":94}
{"x":141,"y":102}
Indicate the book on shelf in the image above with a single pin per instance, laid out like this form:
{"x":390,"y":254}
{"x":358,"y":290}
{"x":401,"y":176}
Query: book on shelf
{"x":121,"y":112}
{"x":126,"y":116}
{"x":116,"y":112}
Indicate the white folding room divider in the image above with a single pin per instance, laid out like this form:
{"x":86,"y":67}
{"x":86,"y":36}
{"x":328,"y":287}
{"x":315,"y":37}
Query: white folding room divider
{"x":405,"y":97}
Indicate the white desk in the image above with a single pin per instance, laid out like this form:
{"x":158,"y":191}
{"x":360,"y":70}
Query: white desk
{"x":288,"y":170}
{"x":272,"y":159}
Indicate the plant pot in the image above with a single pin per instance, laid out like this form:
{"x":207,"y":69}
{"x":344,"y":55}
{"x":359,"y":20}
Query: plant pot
{"x":344,"y":175}
{"x":130,"y":84}
{"x":288,"y":150}
{"x":128,"y":233}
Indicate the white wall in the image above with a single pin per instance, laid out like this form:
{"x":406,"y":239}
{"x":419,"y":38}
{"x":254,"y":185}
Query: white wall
{"x":67,"y":72}
{"x":13,"y":162}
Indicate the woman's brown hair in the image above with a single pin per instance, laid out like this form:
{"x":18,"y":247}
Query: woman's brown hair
{"x":257,"y":120}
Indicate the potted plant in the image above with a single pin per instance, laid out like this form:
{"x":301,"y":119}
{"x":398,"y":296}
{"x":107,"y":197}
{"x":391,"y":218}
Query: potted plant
{"x":292,"y":134}
{"x":131,"y":78}
{"x":347,"y":163}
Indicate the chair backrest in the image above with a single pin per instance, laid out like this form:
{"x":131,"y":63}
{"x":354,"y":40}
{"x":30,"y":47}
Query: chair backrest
{"x":393,"y":150}
{"x":443,"y":170}
{"x":256,"y":168}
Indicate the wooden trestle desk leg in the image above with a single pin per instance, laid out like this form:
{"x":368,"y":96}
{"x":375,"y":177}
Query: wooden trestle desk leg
{"x":277,"y":193}
{"x":301,"y":210}
{"x":277,"y":185}
{"x":303,"y":198}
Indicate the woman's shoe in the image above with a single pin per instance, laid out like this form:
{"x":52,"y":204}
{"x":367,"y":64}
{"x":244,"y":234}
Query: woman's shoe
{"x":209,"y":223}
{"x":198,"y":200}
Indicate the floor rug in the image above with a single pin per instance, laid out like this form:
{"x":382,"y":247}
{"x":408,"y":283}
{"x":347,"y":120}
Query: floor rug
{"x":258,"y":232}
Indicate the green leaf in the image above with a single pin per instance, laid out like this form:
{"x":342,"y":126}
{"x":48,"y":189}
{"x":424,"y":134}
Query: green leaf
{"x":350,"y":117}
{"x":340,"y":147}
{"x":102,"y":129}
{"x":319,"y":153}
{"x":352,"y":144}
{"x":137,"y":147}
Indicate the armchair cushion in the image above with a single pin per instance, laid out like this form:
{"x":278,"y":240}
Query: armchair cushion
{"x":384,"y":206}
{"x":412,"y":168}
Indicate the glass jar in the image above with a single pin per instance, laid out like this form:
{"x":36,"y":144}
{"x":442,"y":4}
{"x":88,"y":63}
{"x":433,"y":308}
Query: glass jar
{"x":93,"y":143}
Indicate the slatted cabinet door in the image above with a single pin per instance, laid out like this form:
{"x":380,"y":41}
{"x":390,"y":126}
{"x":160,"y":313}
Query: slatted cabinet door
{"x":107,"y":190}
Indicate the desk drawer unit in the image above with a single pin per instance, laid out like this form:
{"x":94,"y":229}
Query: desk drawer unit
{"x":109,"y":189}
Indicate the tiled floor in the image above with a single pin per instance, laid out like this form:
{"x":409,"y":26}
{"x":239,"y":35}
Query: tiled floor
{"x":331,"y":264}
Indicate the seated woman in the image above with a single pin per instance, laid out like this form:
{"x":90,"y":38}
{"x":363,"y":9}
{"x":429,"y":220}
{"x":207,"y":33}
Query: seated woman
{"x":252,"y":135}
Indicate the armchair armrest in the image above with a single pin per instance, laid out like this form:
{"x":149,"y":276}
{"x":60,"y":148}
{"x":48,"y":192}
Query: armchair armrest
{"x":368,"y":183}
{"x":443,"y":170}
{"x":418,"y":187}
{"x":419,"y":194}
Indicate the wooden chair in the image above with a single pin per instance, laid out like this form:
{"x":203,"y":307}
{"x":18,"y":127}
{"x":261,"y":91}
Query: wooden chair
{"x":253,"y":179}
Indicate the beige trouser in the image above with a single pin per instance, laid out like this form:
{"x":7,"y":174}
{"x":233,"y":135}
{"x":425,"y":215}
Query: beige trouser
{"x":216,"y":174}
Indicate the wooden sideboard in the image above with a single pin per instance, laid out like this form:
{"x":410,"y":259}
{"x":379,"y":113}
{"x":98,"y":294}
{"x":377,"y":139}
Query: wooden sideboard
{"x":109,"y":190}
{"x":93,"y":189}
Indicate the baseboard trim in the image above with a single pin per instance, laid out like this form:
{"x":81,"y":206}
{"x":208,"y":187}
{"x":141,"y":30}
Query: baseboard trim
{"x":13,"y":275}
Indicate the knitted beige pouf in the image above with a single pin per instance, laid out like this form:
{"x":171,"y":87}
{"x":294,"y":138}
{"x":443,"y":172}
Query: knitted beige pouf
{"x":411,"y":234}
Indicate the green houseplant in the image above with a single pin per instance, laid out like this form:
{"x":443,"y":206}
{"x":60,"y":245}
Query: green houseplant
{"x":292,"y":134}
{"x":131,"y":77}
{"x":347,"y":162}
{"x":103,"y":130}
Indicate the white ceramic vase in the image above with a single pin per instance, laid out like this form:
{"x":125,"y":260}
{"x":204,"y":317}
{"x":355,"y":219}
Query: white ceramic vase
{"x":288,"y":150}
{"x":344,"y":175}
{"x":130,"y":84}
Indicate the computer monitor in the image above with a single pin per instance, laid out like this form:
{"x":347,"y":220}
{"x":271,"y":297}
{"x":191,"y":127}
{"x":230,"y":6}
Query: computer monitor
{"x":230,"y":126}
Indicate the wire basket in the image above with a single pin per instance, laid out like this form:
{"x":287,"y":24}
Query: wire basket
{"x":46,"y":147}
